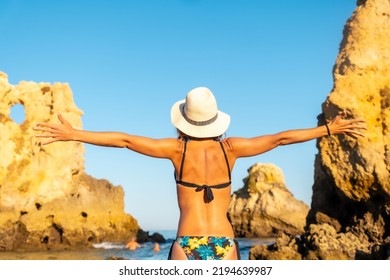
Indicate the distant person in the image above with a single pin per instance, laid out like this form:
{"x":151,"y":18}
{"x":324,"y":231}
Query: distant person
{"x":203,"y":161}
{"x":132,"y":245}
{"x":156,"y":247}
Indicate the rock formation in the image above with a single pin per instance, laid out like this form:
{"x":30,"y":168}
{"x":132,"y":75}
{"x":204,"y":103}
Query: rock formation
{"x":350,"y":210}
{"x":264,"y":207}
{"x":46,"y":199}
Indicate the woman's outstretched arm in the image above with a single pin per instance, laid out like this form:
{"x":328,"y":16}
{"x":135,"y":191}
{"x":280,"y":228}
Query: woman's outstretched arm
{"x":162,"y":148}
{"x":245,"y":147}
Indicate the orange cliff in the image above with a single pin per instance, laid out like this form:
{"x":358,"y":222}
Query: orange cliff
{"x":46,"y":199}
{"x":350,"y":210}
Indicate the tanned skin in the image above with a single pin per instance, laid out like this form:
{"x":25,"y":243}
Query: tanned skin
{"x":204,"y":164}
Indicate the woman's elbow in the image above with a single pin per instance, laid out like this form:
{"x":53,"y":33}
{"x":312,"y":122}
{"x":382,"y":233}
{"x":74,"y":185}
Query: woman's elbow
{"x":125,"y":142}
{"x":279,"y":140}
{"x":285,"y":138}
{"x":282,"y":142}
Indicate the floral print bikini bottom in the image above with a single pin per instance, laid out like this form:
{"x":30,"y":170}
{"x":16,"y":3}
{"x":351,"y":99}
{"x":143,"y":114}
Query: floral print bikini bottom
{"x":205,"y":247}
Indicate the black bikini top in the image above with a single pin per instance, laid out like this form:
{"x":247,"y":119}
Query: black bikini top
{"x":208,"y":193}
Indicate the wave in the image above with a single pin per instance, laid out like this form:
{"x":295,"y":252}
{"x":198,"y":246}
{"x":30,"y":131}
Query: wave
{"x":109,"y":245}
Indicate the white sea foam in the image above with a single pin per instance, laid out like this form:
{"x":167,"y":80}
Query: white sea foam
{"x":108,"y":245}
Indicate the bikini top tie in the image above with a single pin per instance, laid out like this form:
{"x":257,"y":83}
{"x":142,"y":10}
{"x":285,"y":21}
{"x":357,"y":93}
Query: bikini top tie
{"x":208,"y":193}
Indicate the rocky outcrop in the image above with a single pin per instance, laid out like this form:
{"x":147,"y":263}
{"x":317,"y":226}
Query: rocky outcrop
{"x":363,"y":240}
{"x":350,"y":210}
{"x":284,"y":248}
{"x":144,"y":236}
{"x":264,"y":207}
{"x":46,"y":199}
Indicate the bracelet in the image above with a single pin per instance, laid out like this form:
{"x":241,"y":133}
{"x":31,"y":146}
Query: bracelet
{"x":327,"y":128}
{"x":326,"y":123}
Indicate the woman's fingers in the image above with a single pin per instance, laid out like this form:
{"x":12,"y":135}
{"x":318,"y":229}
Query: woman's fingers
{"x":44,"y":129}
{"x":351,"y":127}
{"x":48,"y":138}
{"x":62,"y":120}
{"x":343,"y":113}
{"x":358,"y":124}
{"x":49,"y":132}
{"x":354,"y":126}
{"x":53,"y":132}
{"x":354,"y":132}
{"x":48,"y":141}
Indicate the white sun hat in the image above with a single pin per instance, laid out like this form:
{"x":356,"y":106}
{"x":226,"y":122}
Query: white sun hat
{"x":198,"y":115}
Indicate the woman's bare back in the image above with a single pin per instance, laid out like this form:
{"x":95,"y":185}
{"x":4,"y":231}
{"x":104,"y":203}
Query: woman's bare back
{"x":204,"y":164}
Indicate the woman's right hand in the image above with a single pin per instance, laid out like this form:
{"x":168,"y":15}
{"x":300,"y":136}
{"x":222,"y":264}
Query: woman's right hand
{"x":351,"y":127}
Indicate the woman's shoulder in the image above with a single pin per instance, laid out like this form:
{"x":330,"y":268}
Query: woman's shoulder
{"x":230,"y":141}
{"x":234,"y":144}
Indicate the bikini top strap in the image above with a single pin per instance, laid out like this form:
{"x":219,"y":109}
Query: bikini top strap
{"x":182,"y":160}
{"x":226,"y":159}
{"x":184,"y":155}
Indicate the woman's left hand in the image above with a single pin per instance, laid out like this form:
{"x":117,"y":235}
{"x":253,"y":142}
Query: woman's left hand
{"x":55,"y":132}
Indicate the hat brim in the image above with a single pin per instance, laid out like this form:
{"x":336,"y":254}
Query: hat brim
{"x":214,"y":129}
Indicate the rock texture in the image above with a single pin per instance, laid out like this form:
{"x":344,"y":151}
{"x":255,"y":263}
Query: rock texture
{"x":350,"y":210}
{"x":264,"y":207}
{"x":46,"y":199}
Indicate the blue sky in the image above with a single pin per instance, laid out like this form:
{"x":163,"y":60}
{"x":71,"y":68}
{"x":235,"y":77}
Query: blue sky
{"x":269,"y":64}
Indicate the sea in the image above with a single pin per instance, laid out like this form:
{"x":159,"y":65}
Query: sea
{"x":113,"y":251}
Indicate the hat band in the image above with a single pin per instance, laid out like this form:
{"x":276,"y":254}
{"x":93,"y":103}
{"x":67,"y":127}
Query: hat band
{"x":199,"y":123}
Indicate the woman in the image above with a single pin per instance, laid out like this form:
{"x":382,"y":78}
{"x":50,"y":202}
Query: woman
{"x":203,"y":162}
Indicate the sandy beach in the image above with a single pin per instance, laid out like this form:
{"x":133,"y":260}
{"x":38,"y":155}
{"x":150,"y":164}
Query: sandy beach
{"x":107,"y":251}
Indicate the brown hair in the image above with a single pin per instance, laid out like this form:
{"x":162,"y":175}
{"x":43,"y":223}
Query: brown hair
{"x":182,"y":136}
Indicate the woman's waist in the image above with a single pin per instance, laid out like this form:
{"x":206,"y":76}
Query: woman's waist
{"x":202,"y":226}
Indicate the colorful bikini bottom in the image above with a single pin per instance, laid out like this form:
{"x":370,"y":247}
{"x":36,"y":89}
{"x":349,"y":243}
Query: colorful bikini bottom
{"x":206,"y":247}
